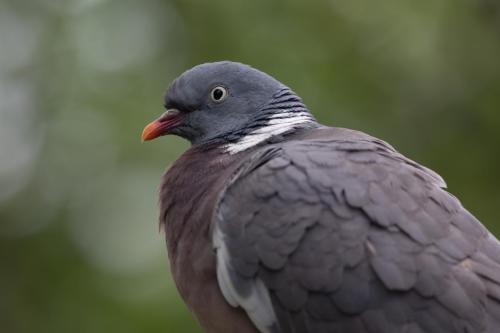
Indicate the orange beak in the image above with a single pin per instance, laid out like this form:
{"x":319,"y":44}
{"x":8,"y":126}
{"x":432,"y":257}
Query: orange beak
{"x":162,"y":126}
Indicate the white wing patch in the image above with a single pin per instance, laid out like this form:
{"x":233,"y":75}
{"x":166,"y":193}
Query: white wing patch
{"x":278,"y":124}
{"x":250,"y":294}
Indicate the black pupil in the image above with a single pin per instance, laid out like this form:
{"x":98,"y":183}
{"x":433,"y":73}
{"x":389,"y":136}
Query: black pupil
{"x":218,"y":93}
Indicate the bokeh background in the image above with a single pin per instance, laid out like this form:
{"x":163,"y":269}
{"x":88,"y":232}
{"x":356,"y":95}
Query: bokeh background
{"x":80,"y":248}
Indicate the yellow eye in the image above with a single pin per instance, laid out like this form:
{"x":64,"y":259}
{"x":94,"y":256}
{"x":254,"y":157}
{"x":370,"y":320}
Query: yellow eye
{"x":218,"y":94}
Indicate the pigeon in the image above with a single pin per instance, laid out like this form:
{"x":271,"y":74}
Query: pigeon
{"x":275,"y":223}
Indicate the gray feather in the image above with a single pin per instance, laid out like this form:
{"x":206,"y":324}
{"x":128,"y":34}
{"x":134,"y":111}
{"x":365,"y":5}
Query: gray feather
{"x":352,"y":236}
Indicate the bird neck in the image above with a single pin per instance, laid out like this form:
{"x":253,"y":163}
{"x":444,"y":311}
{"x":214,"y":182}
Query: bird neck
{"x":282,"y":116}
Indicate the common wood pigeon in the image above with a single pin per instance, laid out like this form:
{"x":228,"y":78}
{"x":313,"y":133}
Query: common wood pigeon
{"x":276,"y":223}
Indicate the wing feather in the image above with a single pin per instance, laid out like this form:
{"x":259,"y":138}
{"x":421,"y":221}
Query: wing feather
{"x":349,"y":235}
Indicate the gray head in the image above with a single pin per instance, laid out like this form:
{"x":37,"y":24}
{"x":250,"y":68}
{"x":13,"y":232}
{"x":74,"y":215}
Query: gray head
{"x":222,"y":101}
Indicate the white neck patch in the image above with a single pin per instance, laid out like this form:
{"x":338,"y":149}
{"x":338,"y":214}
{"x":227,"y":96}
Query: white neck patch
{"x":278,"y":123}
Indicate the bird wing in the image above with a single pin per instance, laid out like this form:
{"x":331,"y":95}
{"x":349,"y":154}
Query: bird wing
{"x":351,"y":236}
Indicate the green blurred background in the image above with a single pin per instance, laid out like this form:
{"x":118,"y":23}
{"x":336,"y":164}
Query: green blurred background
{"x":80,"y":249}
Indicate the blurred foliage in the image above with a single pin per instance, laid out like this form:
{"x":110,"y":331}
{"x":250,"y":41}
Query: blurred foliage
{"x":80,"y":248}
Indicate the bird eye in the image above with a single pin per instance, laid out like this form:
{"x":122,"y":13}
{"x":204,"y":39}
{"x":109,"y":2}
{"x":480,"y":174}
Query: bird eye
{"x":218,"y":94}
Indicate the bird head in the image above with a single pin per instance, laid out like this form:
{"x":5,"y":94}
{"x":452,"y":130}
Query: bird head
{"x":217,"y":101}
